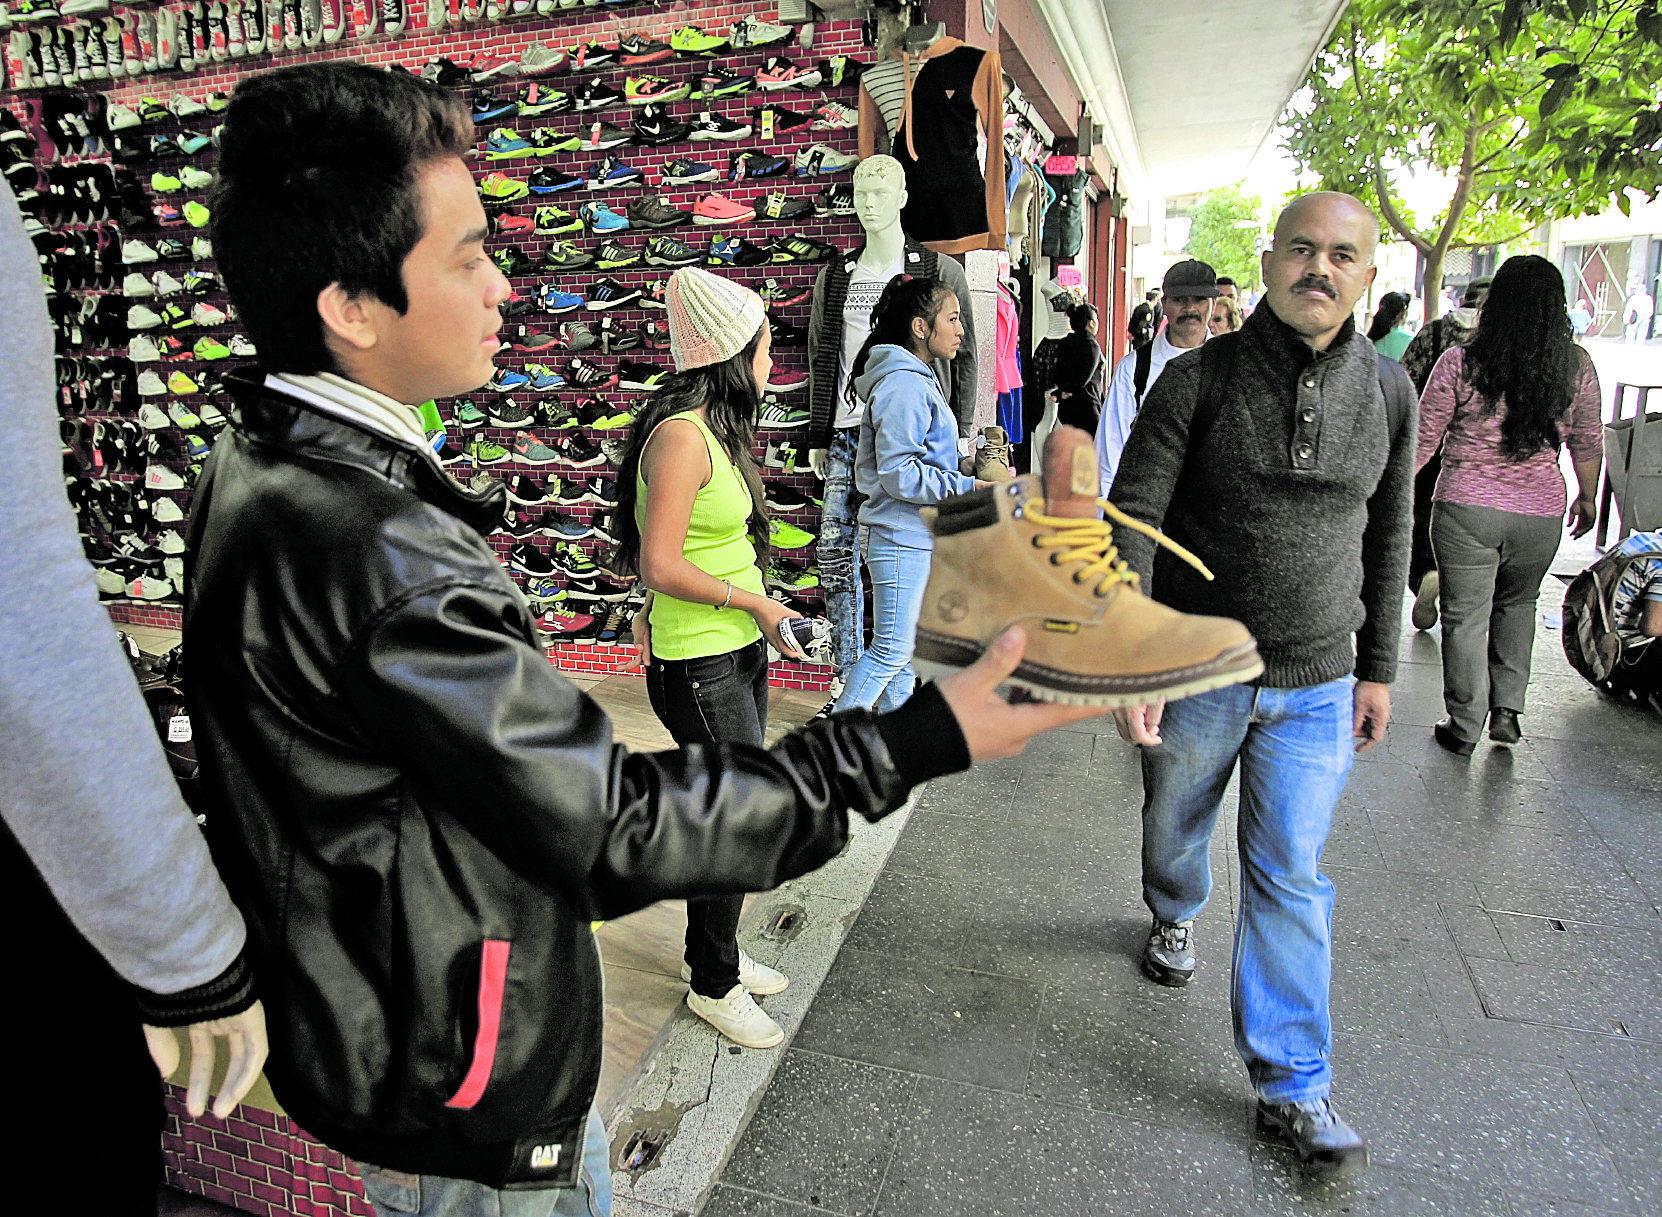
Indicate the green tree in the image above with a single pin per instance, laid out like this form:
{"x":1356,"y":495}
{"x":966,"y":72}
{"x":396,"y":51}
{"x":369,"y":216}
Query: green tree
{"x":1215,"y":239}
{"x":1534,"y":109}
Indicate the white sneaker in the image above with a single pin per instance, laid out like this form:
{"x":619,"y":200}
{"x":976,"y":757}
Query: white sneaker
{"x":135,"y":285}
{"x":738,"y":1017}
{"x":142,"y":349}
{"x":166,"y":284}
{"x":200,"y":248}
{"x":170,"y":542}
{"x":181,"y":414}
{"x":241,"y":347}
{"x":207,"y":315}
{"x":193,"y":178}
{"x":109,"y":583}
{"x":134,"y":252}
{"x":184,"y":106}
{"x":118,"y":117}
{"x":151,"y":385}
{"x":146,"y":588}
{"x":174,"y":569}
{"x":141,"y":318}
{"x":160,"y":477}
{"x":755,"y":977}
{"x":166,"y":511}
{"x":211,"y":414}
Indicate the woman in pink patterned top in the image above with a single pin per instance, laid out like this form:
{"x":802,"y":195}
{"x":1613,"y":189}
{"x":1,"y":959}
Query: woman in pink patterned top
{"x":1502,"y":406}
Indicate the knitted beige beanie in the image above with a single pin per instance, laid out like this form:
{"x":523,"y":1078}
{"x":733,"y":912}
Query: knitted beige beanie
{"x":710,"y":318}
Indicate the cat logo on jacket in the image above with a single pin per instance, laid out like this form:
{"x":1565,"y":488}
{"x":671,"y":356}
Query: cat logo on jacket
{"x":545,"y":1157}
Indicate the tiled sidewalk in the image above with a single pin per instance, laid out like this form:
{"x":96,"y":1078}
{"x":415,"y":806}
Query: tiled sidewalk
{"x":985,"y":1043}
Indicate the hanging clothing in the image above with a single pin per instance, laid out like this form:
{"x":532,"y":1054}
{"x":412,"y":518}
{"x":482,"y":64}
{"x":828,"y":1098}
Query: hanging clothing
{"x":1010,"y":416}
{"x":937,"y":112}
{"x":1064,"y":228}
{"x":1006,"y":339}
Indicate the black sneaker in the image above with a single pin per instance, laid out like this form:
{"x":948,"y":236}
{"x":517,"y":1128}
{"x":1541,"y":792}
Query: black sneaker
{"x":781,"y":498}
{"x":635,"y":50}
{"x":590,"y":55}
{"x":596,"y":95}
{"x":784,"y":334}
{"x":553,"y":414}
{"x":772,"y":119}
{"x":590,"y":411}
{"x":654,"y":125}
{"x":609,"y":293}
{"x":528,"y":558}
{"x":603,"y":135}
{"x":506,"y":412}
{"x":836,"y":199}
{"x":563,"y":255}
{"x":527,"y":491}
{"x":797,"y":248}
{"x":671,"y":251}
{"x":719,"y":80}
{"x":743,"y":165}
{"x":613,"y":342}
{"x":780,"y":207}
{"x":548,"y":180}
{"x":650,"y":211}
{"x":575,"y":450}
{"x":709,"y":126}
{"x":640,"y":377}
{"x":652,"y":295}
{"x":511,"y":261}
{"x":614,"y":255}
{"x":581,"y":374}
{"x":519,"y":526}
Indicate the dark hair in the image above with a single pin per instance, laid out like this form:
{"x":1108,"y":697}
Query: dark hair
{"x":904,"y":298}
{"x":1151,"y":293}
{"x":1081,"y":315}
{"x":316,"y":185}
{"x":1392,"y":308}
{"x":1475,"y":289}
{"x":1225,"y":281}
{"x":731,"y":397}
{"x":1525,"y":352}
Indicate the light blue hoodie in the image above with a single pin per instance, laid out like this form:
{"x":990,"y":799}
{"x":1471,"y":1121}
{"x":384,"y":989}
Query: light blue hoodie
{"x":908,"y":454}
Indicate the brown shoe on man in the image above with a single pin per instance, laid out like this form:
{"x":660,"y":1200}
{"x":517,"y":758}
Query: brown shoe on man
{"x":1004,"y":556}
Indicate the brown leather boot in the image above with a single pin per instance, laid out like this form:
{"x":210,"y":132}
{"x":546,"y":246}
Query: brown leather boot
{"x":992,"y":457}
{"x":1003,"y":557}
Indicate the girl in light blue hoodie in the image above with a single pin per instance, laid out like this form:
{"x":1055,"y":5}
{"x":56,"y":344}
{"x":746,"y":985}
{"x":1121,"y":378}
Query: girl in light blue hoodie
{"x":908,"y":458}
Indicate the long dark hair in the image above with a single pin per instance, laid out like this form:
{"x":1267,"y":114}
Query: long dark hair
{"x":1393,"y":307}
{"x":1525,"y":352}
{"x":731,"y":397}
{"x":904,"y":297}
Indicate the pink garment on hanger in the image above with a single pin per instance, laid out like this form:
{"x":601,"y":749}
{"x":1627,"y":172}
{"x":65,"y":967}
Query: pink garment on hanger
{"x":1006,"y":367}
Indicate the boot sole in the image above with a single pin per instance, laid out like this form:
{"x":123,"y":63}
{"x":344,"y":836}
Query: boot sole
{"x":941,"y":655}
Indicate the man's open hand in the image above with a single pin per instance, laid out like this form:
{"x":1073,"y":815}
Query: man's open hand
{"x":992,"y":727}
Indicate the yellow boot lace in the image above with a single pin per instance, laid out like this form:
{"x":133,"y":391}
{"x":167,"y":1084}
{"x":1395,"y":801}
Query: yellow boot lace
{"x":1091,"y":541}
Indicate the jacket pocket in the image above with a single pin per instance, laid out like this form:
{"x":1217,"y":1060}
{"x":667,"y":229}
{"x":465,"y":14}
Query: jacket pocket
{"x":493,"y":978}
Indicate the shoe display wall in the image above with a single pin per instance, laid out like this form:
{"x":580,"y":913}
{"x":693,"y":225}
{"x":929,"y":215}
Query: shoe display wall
{"x":114,"y":173}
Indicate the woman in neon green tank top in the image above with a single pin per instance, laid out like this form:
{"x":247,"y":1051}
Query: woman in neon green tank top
{"x":691,"y":522}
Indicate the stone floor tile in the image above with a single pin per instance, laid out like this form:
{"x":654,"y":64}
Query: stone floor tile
{"x":1570,"y":906}
{"x":1628,"y":1004}
{"x":972,"y":793}
{"x":1280,"y":1189}
{"x":735,"y":1202}
{"x":944,"y":1022}
{"x":1165,"y":1062}
{"x":967,"y":1151}
{"x":822,"y":1136}
{"x":1625,"y":1115}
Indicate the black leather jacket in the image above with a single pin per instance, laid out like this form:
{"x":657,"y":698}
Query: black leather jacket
{"x":419,"y":816}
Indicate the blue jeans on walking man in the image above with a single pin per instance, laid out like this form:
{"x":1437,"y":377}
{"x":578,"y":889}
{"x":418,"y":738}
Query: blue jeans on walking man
{"x":1295,"y":750}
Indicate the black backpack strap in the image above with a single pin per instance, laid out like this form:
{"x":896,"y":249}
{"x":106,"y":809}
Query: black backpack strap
{"x":1217,"y":367}
{"x":1400,"y":398}
{"x":1139,"y":376}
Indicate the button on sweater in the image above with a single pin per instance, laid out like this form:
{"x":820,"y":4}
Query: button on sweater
{"x":1298,"y":499}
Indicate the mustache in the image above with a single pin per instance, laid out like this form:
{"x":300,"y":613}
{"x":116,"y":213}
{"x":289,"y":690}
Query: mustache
{"x":1311,"y":284}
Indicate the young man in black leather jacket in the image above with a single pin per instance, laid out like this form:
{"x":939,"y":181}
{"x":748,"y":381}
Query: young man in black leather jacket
{"x":418,"y":815}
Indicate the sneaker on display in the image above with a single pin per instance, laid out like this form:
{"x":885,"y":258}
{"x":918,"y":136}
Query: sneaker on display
{"x":823,"y":158}
{"x":708,"y":126}
{"x":1010,"y":554}
{"x":715,"y":208}
{"x":683,"y":171}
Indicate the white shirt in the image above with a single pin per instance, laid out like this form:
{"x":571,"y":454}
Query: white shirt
{"x":864,"y":288}
{"x":1120,"y":404}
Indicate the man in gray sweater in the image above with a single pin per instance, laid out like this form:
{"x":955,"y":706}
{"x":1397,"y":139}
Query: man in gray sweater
{"x":1304,"y":518}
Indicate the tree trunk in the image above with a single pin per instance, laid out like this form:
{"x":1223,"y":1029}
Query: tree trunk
{"x":1431,"y":283}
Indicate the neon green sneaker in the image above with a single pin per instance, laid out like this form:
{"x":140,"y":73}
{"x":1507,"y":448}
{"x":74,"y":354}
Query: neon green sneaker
{"x":788,"y":536}
{"x":197,"y":214}
{"x":784,"y":574}
{"x":487,"y":452}
{"x":498,"y":187}
{"x":211,"y":348}
{"x":690,"y":40}
{"x":165,"y":183}
{"x":639,"y":90}
{"x":181,"y":384}
{"x":546,"y":141}
{"x":614,"y":422}
{"x":552,"y":221}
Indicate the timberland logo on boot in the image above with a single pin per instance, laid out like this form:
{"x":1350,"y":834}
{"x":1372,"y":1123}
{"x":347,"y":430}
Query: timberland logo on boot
{"x":1062,"y":627}
{"x":952,"y":606}
{"x":545,"y":1157}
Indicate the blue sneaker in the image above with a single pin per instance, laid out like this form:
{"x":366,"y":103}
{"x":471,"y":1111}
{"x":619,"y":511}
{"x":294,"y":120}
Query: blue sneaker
{"x":552,"y":300}
{"x":542,"y":378}
{"x":504,"y":143}
{"x":487,"y":106}
{"x":196,"y":446}
{"x":601,"y":218}
{"x":723,"y":252}
{"x":684,"y":171}
{"x":610,"y":172}
{"x":506,"y":380}
{"x":539,"y":588}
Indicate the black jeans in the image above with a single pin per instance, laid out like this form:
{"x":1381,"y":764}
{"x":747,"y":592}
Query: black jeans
{"x":718,"y":699}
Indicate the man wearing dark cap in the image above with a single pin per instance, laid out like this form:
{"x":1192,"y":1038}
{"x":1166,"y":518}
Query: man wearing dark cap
{"x":1282,"y":455}
{"x":1189,"y":287}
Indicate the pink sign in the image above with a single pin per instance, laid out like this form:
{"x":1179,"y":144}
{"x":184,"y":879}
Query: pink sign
{"x":1068,"y":276}
{"x":1061,"y":165}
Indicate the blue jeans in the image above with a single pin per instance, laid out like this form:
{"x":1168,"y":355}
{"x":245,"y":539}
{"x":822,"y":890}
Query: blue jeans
{"x":1295,"y":748}
{"x":839,"y":573}
{"x":883,"y":677}
{"x":716,"y":699}
{"x":393,"y":1192}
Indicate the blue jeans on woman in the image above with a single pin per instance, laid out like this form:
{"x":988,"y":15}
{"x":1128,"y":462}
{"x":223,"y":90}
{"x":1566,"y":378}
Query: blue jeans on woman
{"x":883,"y":677}
{"x":1295,"y":749}
{"x":715,"y":699}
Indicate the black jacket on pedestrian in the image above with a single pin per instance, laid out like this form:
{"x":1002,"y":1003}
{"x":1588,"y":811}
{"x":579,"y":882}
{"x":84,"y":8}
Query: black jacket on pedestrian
{"x":419,"y":816}
{"x":1078,"y":372}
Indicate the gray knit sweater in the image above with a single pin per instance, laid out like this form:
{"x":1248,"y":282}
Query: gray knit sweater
{"x":1299,"y":501}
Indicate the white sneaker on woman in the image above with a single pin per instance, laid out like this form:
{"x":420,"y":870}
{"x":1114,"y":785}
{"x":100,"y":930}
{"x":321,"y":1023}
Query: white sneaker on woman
{"x":755,"y":977}
{"x":738,"y":1017}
